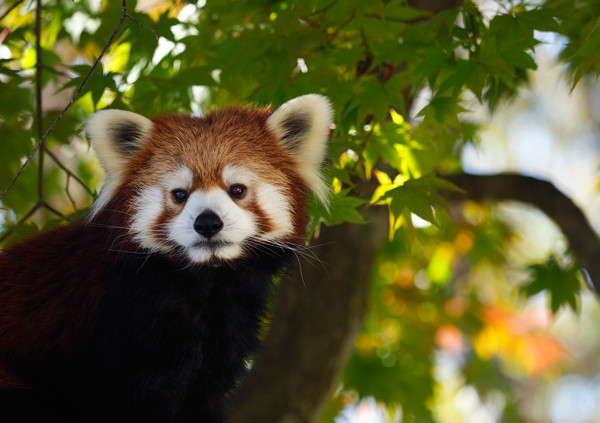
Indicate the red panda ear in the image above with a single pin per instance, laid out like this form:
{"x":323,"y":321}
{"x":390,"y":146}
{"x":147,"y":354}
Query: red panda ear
{"x":302,"y":126}
{"x":115,"y":135}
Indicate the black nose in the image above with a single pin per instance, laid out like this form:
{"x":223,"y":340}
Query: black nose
{"x":208,"y":224}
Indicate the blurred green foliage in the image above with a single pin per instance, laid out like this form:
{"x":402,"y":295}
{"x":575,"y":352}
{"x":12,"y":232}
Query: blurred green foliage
{"x":400,"y":80}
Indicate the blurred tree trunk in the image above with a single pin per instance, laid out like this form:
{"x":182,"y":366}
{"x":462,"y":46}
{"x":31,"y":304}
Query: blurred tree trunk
{"x":317,"y":314}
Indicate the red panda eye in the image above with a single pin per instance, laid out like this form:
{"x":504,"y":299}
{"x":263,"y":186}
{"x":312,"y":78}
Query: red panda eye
{"x":237,"y":191}
{"x":180,"y":195}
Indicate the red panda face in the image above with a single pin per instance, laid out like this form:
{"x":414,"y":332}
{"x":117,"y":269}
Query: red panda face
{"x":215,"y":222}
{"x":213,"y":189}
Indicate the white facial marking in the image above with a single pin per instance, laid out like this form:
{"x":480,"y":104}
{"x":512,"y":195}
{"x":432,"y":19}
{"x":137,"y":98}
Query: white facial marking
{"x":181,"y":178}
{"x":238,"y":226}
{"x":269,"y":198}
{"x":277,"y":208}
{"x":148,"y":207}
{"x":238,"y":175}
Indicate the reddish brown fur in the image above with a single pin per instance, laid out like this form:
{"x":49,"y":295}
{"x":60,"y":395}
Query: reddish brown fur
{"x":44,"y":316}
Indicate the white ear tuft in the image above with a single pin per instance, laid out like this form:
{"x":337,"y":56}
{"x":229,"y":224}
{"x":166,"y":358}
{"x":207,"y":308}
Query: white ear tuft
{"x":302,"y":126}
{"x":115,"y":135}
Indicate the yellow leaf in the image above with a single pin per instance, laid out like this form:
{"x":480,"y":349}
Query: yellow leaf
{"x":119,"y":58}
{"x":29,"y":58}
{"x":491,"y":341}
{"x":397,"y":118}
{"x":400,"y":179}
{"x":337,"y":185}
{"x":382,"y":177}
{"x":380,"y":192}
{"x":15,"y":19}
{"x":91,"y":50}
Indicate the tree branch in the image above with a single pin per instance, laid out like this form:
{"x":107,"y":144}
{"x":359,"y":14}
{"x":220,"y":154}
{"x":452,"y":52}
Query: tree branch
{"x":544,"y":195}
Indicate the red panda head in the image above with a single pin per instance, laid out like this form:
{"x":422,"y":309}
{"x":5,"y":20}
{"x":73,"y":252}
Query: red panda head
{"x":212,"y":188}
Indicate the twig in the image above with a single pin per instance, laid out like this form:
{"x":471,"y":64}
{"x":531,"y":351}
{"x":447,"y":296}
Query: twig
{"x":10,"y":9}
{"x":27,"y":215}
{"x":20,"y":221}
{"x":69,"y":173}
{"x":75,"y":97}
{"x":142,"y":25}
{"x":52,"y":209}
{"x":69,"y":193}
{"x":324,"y":9}
{"x":474,"y":34}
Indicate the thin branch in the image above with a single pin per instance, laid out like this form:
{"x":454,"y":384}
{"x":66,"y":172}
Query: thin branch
{"x":52,"y":209}
{"x":75,"y":97}
{"x":324,"y":9}
{"x":131,"y":18}
{"x":36,"y":207}
{"x":10,"y":9}
{"x":71,"y":199}
{"x":69,"y":173}
{"x":474,"y":35}
{"x":20,"y":221}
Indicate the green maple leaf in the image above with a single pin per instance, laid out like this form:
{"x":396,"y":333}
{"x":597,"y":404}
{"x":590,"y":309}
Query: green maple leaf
{"x":562,"y":285}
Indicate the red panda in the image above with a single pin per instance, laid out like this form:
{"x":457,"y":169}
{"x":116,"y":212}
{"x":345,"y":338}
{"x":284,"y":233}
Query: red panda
{"x":148,"y":309}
